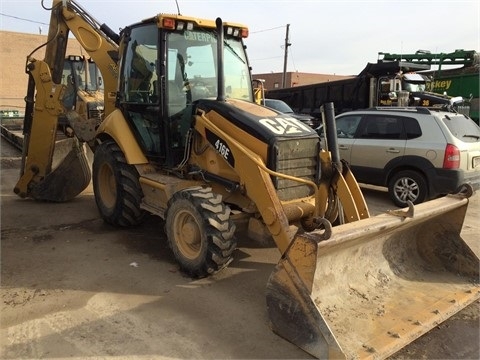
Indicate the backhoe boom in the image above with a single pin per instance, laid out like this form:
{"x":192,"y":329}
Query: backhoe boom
{"x":43,"y":158}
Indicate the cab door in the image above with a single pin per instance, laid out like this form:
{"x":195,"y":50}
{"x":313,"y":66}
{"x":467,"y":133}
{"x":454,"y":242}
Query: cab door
{"x":379,"y":140}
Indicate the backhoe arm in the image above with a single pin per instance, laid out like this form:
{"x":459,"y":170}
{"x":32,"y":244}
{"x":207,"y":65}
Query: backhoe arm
{"x":98,"y":40}
{"x":43,"y":158}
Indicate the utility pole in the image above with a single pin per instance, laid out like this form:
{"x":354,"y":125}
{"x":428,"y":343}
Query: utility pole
{"x":287,"y":44}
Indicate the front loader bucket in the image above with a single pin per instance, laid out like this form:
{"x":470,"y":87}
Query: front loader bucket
{"x":376,"y":285}
{"x":70,"y":175}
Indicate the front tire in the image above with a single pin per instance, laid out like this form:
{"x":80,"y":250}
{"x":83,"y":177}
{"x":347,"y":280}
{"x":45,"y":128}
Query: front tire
{"x":407,"y":185}
{"x":200,"y":231}
{"x":116,"y":186}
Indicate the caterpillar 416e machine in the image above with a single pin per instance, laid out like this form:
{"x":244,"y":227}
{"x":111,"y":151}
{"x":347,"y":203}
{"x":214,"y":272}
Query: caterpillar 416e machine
{"x":183,"y":139}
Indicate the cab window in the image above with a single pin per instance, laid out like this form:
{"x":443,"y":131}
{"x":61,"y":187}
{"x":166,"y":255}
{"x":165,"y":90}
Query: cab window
{"x":140,"y":76}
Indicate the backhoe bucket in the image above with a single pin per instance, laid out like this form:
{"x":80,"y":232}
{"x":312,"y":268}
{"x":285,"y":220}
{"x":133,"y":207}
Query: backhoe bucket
{"x":70,"y":175}
{"x":376,"y":284}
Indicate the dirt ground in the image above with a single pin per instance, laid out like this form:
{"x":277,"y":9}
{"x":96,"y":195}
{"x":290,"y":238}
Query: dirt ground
{"x":74,"y":287}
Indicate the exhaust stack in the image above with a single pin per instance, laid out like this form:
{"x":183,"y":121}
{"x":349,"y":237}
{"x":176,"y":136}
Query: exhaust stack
{"x":220,"y":63}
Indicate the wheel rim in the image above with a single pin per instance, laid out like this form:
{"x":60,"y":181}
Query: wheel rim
{"x":188,"y":236}
{"x":406,"y":189}
{"x":106,"y":186}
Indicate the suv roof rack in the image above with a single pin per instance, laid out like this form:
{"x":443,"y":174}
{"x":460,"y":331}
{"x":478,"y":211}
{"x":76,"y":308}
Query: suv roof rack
{"x":417,"y":109}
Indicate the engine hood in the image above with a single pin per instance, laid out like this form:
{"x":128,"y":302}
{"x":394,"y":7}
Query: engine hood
{"x":263,"y":123}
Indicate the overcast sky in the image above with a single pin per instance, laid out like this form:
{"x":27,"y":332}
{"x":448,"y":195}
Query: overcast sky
{"x":327,"y":36}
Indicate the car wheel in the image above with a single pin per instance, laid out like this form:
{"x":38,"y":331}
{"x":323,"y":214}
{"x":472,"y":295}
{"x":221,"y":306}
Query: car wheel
{"x":407,"y":185}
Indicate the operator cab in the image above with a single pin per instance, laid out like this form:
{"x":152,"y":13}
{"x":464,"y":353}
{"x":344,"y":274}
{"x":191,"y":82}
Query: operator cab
{"x":170,"y":62}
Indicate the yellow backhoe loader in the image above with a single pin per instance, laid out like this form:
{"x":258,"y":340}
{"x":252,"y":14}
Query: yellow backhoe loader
{"x":183,"y":138}
{"x":83,"y":96}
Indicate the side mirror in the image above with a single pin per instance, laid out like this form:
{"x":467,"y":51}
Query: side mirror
{"x":320,"y":131}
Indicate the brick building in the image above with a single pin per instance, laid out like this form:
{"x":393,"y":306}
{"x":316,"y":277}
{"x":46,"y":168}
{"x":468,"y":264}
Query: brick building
{"x":14,"y":49}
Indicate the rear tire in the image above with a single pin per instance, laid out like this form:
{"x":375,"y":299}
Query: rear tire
{"x":407,"y":185}
{"x":116,"y":187}
{"x":200,"y":231}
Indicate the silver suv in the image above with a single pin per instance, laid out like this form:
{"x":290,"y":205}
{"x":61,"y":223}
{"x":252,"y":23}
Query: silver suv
{"x":418,"y":153}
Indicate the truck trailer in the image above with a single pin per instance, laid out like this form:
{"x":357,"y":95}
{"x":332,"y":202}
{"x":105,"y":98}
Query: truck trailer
{"x":385,"y":83}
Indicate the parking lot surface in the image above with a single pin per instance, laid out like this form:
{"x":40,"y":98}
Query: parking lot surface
{"x":75,"y":287}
